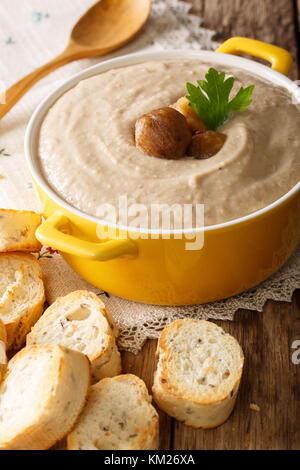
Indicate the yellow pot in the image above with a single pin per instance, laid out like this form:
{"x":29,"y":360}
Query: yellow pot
{"x":235,"y":255}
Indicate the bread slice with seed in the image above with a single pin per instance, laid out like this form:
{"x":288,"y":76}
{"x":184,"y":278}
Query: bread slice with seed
{"x":198,"y":373}
{"x":17,"y":230}
{"x":118,"y":416}
{"x":81,"y":321}
{"x":21,"y":295}
{"x":43,"y":392}
{"x":3,"y":359}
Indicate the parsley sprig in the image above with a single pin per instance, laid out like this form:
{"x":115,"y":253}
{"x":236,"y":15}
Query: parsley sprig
{"x":213,"y":106}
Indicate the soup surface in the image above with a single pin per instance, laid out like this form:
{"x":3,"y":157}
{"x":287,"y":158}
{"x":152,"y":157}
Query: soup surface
{"x":88,"y":154}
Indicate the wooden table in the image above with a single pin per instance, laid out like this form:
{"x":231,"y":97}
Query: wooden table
{"x":270,"y":378}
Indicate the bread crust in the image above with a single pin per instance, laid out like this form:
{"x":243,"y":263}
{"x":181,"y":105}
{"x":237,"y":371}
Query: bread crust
{"x":3,"y":358}
{"x":17,"y":230}
{"x":172,"y":396}
{"x":65,"y":384}
{"x":17,"y":317}
{"x":3,"y":335}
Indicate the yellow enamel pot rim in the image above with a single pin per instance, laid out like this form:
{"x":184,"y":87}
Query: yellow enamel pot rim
{"x":219,"y":58}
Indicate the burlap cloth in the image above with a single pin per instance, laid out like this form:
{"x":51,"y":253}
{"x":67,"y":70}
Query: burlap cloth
{"x":33,"y":32}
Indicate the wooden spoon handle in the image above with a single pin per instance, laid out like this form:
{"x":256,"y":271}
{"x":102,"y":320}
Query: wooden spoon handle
{"x":16,"y":91}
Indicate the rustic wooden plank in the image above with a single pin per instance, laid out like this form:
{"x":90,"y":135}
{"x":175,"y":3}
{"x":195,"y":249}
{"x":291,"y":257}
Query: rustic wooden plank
{"x":143,"y":365}
{"x":266,"y":20}
{"x":297,"y":13}
{"x":270,"y":380}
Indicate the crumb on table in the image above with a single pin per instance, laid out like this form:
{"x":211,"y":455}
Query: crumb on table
{"x":254,"y":407}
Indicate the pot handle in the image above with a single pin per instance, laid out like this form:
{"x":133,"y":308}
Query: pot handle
{"x":280,"y":59}
{"x":49,"y":233}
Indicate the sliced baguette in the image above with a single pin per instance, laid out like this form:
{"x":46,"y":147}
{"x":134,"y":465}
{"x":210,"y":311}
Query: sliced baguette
{"x":3,"y":358}
{"x":21,"y":295}
{"x":118,"y":416}
{"x":198,"y":373}
{"x":41,"y":396}
{"x":80,"y":321}
{"x":3,"y":335}
{"x":17,"y":230}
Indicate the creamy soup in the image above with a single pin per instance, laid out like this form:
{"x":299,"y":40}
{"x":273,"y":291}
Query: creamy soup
{"x":88,"y":154}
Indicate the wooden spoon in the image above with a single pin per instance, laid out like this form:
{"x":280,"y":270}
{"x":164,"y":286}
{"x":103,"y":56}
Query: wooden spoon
{"x":106,"y":26}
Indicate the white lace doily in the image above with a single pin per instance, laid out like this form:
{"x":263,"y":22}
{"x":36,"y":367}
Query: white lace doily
{"x":48,"y":25}
{"x":137,"y":322}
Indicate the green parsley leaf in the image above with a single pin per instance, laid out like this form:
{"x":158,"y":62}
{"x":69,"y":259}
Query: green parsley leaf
{"x":213,"y":106}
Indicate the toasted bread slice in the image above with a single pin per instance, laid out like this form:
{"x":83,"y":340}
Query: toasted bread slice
{"x":17,"y":230}
{"x":198,"y":373}
{"x":3,"y":335}
{"x":118,"y":416}
{"x":43,"y":392}
{"x":80,"y":321}
{"x":21,"y":295}
{"x":3,"y":359}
